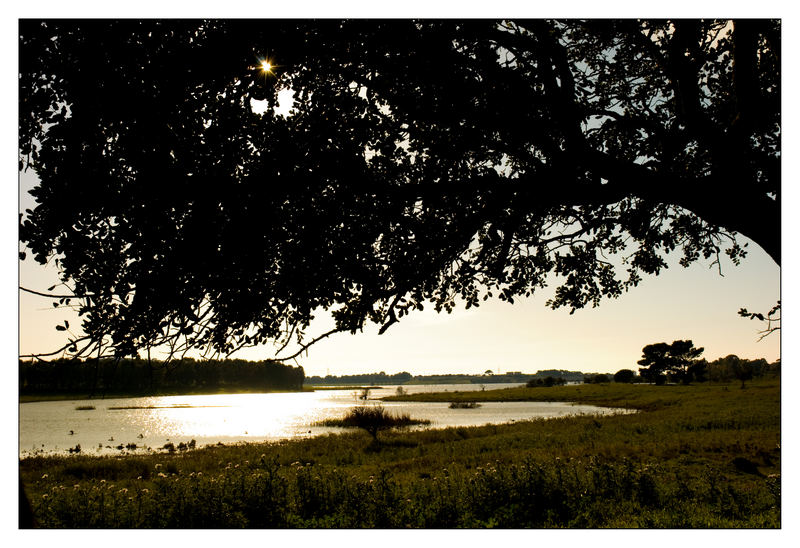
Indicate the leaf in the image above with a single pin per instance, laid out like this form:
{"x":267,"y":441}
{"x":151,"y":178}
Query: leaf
{"x":66,"y":324}
{"x":60,"y":328}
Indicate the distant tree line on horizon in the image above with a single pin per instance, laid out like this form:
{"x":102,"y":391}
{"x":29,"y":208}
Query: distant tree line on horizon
{"x":723,"y":369}
{"x":456,"y":378}
{"x":141,"y":376}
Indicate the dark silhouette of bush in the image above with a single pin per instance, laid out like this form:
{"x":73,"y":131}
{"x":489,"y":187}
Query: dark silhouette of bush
{"x":547,"y":381}
{"x":600,"y":379}
{"x":624,"y":375}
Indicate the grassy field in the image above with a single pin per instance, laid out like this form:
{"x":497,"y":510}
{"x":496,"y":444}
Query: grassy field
{"x":694,"y":456}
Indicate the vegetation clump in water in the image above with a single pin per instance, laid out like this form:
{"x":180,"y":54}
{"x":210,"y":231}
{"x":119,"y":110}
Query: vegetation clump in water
{"x":373,"y":419}
{"x":464,"y":405}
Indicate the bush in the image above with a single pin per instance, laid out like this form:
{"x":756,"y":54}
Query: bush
{"x":596,"y":379}
{"x":547,"y":381}
{"x":624,"y":375}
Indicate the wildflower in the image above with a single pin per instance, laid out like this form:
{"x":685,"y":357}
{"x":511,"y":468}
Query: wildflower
{"x":145,"y":491}
{"x":44,"y":496}
{"x":158,"y":466}
{"x":123,"y":490}
{"x":199,"y":474}
{"x":44,"y":476}
{"x":102,"y":481}
{"x":139,"y":477}
{"x":162,"y":475}
{"x":77,"y":486}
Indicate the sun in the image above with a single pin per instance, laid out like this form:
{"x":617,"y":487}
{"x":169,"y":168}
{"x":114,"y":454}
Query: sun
{"x":266,"y":66}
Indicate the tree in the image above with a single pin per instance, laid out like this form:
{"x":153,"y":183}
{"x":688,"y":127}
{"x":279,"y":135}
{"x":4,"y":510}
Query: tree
{"x":422,"y":163}
{"x":624,"y":376}
{"x":675,"y":359}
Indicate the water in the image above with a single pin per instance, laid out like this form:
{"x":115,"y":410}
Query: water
{"x":151,"y":422}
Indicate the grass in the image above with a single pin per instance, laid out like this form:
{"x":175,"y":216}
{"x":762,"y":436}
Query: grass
{"x":373,"y":419}
{"x":464,"y":404}
{"x":696,"y":456}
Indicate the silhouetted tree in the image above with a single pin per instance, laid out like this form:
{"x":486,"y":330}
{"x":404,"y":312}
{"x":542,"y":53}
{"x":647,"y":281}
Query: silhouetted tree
{"x":624,"y":375}
{"x":740,"y":368}
{"x":674,"y":359}
{"x":698,"y":371}
{"x":422,"y":162}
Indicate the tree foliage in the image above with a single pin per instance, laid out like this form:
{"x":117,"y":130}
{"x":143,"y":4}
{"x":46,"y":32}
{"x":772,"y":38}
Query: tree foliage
{"x":422,"y":163}
{"x":676,"y":359}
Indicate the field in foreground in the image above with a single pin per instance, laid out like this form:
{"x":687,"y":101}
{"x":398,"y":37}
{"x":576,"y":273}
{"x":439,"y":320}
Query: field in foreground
{"x":694,"y":456}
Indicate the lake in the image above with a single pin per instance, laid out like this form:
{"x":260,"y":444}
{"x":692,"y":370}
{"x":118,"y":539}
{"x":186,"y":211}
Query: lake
{"x":150,"y":422}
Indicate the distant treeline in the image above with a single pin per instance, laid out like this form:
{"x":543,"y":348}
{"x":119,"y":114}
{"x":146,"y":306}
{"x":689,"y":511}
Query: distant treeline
{"x":407,"y":378}
{"x":138,"y":376}
{"x":720,"y":370}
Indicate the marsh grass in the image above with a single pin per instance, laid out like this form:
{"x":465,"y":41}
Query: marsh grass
{"x":696,"y":456}
{"x":373,"y":419}
{"x":464,"y":405}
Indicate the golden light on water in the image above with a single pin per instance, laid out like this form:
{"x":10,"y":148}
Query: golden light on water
{"x":239,"y":415}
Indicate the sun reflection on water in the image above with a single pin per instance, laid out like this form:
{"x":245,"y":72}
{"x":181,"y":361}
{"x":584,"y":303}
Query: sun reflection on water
{"x":238,"y":415}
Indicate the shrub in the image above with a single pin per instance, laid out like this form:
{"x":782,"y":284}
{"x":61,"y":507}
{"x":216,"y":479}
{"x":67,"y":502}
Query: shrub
{"x":597,"y":379}
{"x":547,"y":381}
{"x":624,"y":375}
